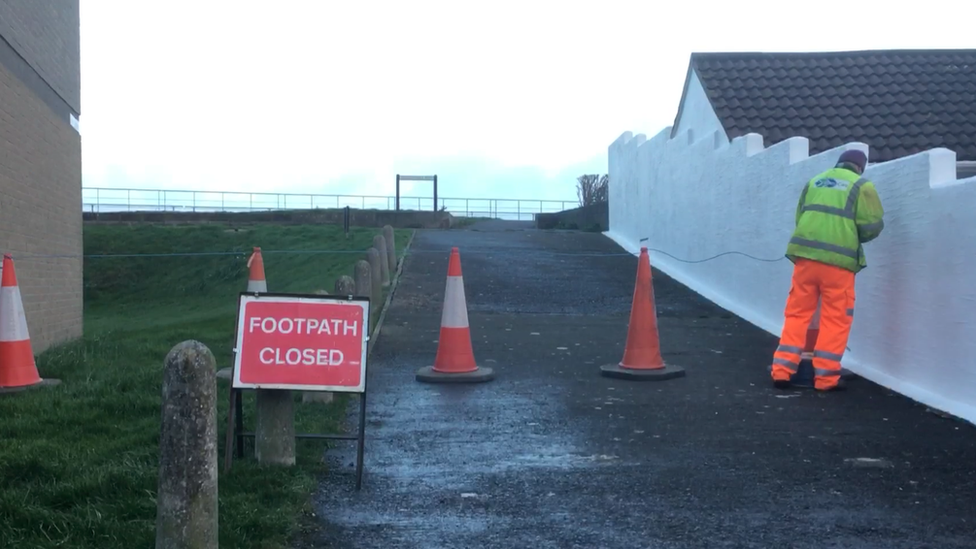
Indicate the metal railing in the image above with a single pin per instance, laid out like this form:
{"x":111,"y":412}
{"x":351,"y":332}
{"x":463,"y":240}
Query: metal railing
{"x":100,"y":199}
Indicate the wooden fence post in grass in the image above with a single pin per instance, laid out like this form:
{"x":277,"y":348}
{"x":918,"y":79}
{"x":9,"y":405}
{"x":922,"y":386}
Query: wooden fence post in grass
{"x":388,"y":236}
{"x":376,"y":275}
{"x":380,"y":244}
{"x":186,"y":501}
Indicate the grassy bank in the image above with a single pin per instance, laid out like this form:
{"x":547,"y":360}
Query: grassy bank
{"x":78,"y":462}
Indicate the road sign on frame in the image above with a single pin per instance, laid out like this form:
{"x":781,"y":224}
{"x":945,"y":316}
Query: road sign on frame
{"x":235,"y":434}
{"x":301,"y":342}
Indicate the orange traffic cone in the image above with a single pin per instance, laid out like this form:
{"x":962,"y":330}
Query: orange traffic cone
{"x":642,"y":353}
{"x":17,"y":367}
{"x":454,"y":362}
{"x":255,"y":279}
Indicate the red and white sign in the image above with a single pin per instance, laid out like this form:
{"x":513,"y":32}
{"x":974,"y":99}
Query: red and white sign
{"x":308,"y":343}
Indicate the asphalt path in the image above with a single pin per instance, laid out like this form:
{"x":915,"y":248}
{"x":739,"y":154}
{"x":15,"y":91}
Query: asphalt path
{"x":552,"y":455}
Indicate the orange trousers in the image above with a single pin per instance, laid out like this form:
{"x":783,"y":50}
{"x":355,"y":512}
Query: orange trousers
{"x":834,"y":288}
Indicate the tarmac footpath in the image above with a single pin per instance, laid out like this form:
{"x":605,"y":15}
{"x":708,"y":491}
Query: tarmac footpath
{"x":550,"y":454}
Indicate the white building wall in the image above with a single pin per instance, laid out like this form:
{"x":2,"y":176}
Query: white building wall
{"x":698,"y":116}
{"x":915,"y":321}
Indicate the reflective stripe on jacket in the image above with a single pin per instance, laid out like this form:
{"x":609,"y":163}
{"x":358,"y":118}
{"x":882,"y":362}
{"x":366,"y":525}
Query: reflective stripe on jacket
{"x":837,"y":212}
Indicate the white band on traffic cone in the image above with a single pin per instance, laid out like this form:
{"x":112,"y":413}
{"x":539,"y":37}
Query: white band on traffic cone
{"x":13,"y":319}
{"x":455,"y":313}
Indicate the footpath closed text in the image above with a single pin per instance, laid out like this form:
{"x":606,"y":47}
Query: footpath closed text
{"x":302,"y":326}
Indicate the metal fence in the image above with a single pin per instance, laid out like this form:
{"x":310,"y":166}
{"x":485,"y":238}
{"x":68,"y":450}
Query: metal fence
{"x":98,"y":199}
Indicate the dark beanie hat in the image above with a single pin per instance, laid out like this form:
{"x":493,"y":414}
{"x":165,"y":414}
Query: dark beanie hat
{"x":854,"y":156}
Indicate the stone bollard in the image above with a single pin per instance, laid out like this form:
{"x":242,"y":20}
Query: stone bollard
{"x":380,"y":244}
{"x":364,"y":287}
{"x":390,"y":239}
{"x":344,"y":286}
{"x":376,"y":275}
{"x":186,"y":500}
{"x":274,"y":429}
{"x":364,"y":282}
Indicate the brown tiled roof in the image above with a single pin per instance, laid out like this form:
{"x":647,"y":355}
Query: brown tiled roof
{"x":899,"y":102}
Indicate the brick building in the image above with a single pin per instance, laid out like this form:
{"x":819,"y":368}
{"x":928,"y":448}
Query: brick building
{"x":40,"y":161}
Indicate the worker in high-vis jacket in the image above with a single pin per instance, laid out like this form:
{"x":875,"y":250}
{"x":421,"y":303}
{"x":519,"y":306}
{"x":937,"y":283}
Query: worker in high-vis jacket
{"x":838,"y":211}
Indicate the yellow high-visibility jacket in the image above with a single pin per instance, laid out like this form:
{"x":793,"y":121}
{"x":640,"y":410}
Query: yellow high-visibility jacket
{"x":838,"y":211}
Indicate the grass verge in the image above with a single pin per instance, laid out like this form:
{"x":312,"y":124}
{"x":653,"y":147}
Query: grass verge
{"x":78,"y":462}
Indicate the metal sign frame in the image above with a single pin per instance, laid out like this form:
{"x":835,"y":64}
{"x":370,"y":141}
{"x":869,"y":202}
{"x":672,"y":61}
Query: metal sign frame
{"x":400,"y":178}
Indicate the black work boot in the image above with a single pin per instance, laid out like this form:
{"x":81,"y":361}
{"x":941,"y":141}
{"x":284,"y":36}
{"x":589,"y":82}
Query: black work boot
{"x":782,"y":383}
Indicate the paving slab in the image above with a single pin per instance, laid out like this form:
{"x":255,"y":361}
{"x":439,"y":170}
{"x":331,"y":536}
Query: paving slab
{"x":550,"y":454}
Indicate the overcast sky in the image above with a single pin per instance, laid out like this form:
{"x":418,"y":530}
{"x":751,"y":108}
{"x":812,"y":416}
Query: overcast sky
{"x":500,"y":99}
